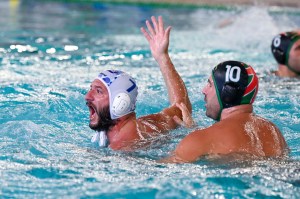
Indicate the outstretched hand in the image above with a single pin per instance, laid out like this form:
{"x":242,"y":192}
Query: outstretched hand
{"x":157,"y":36}
{"x":187,"y":120}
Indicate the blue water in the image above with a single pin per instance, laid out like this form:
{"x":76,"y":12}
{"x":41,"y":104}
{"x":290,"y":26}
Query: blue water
{"x":51,"y":51}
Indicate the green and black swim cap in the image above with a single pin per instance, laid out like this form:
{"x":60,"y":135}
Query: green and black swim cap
{"x":236,"y":83}
{"x":281,"y":46}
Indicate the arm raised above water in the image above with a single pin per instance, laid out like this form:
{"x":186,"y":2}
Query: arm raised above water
{"x":158,"y":39}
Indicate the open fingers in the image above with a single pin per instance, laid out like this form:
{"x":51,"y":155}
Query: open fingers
{"x":178,"y":121}
{"x":182,"y":107}
{"x":187,"y":119}
{"x":167,"y":32}
{"x":155,"y":24}
{"x":160,"y":23}
{"x":151,"y":30}
{"x":146,"y":34}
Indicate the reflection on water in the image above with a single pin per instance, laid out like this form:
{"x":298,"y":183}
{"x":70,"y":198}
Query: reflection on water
{"x":51,"y":51}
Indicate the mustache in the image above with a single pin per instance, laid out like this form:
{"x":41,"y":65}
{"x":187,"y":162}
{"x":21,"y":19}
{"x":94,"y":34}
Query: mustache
{"x":104,"y":121}
{"x":91,"y":105}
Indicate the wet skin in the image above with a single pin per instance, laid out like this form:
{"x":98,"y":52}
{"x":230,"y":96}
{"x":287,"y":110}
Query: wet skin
{"x":239,"y":131}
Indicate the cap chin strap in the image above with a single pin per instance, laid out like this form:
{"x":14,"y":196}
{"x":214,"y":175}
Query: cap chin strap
{"x":298,"y":73}
{"x":101,"y":138}
{"x":219,"y":115}
{"x":290,"y":68}
{"x":219,"y":99}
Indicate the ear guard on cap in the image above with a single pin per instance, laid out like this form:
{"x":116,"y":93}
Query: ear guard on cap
{"x":122,"y":91}
{"x":121,"y":104}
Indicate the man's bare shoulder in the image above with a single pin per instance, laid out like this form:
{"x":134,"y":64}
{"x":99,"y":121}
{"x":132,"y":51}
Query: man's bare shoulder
{"x":242,"y":133}
{"x":260,"y":123}
{"x":120,"y":136}
{"x":230,"y":131}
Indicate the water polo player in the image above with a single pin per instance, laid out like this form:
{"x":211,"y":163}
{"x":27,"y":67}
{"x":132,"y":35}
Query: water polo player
{"x":230,"y":91}
{"x":112,"y":98}
{"x":285,"y":48}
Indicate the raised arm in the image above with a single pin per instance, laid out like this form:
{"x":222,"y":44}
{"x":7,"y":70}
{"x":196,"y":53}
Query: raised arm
{"x":158,"y":38}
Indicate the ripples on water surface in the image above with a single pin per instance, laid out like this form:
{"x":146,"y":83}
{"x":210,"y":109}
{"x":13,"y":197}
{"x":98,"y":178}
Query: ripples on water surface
{"x":51,"y":51}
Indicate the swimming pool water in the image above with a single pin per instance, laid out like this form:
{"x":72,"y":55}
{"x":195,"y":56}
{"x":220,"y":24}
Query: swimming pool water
{"x":51,"y":51}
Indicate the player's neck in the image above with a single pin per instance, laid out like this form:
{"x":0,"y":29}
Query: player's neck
{"x":235,"y":110}
{"x":122,"y":121}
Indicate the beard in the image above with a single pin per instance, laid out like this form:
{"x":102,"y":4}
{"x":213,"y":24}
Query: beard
{"x":213,"y":110}
{"x":104,"y":120}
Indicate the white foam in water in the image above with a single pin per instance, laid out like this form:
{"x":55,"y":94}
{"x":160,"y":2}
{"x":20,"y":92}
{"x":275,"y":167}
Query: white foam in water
{"x":251,"y":28}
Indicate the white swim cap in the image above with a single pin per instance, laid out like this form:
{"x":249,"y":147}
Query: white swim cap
{"x":122,"y":91}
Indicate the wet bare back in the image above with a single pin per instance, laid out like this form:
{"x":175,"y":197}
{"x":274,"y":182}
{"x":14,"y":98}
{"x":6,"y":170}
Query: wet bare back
{"x":241,"y":133}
